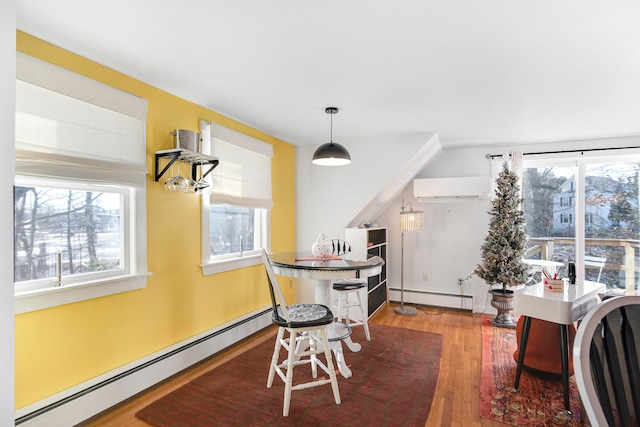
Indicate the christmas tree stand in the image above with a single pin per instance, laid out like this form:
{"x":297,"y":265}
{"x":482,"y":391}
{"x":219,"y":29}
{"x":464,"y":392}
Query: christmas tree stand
{"x":502,"y":300}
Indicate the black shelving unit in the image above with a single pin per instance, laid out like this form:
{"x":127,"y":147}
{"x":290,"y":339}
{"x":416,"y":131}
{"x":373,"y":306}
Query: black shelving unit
{"x":373,"y":241}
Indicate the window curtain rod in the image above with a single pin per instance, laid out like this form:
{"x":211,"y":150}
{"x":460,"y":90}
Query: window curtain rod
{"x":493,"y":156}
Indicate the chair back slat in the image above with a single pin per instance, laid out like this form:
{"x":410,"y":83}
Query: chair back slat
{"x":277,"y":298}
{"x":598,"y":375}
{"x":631,"y":357}
{"x":610,"y":331}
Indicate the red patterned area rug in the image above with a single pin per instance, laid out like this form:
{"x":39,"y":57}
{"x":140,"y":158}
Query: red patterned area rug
{"x":393,"y":383}
{"x":540,"y":398}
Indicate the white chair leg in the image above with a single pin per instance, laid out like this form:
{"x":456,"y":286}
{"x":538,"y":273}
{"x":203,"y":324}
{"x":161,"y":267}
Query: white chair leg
{"x":347,"y":307}
{"x":274,"y":358}
{"x":313,"y":345}
{"x":317,"y":341}
{"x":365,"y":318}
{"x":340,"y":299}
{"x":332,"y":372}
{"x":289,"y":381}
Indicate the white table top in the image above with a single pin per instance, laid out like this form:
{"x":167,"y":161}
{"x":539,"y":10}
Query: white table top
{"x":350,"y":266}
{"x":543,"y":263}
{"x":563,"y":307}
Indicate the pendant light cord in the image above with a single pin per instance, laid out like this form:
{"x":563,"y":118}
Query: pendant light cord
{"x":331,"y":134}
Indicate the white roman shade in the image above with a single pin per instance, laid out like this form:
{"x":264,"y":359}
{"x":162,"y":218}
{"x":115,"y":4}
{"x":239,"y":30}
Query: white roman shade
{"x":243,"y":177}
{"x":70,"y":126}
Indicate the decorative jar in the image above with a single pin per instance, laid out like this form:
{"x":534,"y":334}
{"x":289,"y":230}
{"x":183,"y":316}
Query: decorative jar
{"x":322,"y":246}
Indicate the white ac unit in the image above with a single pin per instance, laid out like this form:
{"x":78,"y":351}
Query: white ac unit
{"x":458,"y":189}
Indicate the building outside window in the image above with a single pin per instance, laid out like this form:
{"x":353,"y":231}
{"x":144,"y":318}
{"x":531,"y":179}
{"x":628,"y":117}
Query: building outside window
{"x":601,"y":191}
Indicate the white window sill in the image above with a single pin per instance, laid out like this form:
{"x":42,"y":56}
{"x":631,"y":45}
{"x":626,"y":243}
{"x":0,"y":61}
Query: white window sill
{"x":230,"y":264}
{"x":39,"y":299}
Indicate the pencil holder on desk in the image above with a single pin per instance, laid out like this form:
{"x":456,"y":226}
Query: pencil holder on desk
{"x":554,"y":285}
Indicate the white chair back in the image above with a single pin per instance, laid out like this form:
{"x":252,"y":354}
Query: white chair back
{"x":277,"y":298}
{"x":605,"y":357}
{"x":594,"y":261}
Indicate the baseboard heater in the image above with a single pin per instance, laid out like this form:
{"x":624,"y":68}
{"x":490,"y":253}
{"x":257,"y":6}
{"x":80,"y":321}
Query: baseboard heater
{"x":435,"y":298}
{"x":88,"y":399}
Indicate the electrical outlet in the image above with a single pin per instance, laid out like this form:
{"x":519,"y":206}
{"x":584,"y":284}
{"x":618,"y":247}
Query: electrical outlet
{"x":425,"y":276}
{"x":460,"y":282}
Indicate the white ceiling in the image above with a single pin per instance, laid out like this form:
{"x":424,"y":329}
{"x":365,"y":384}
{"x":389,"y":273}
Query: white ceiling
{"x":476,"y":72}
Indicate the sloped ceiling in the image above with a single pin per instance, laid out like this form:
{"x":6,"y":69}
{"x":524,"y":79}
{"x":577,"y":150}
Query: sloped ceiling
{"x":488,"y":72}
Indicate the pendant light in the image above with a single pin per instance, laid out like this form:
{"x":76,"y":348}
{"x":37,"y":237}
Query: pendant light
{"x":331,"y":153}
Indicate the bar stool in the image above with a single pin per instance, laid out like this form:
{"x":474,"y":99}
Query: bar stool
{"x":344,"y":288}
{"x":306,"y":325}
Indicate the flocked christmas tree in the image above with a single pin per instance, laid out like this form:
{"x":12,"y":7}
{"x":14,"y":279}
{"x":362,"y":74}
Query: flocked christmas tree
{"x":504,"y":244}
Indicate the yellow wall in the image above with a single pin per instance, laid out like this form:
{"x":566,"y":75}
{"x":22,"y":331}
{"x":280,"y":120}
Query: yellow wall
{"x":60,"y":347}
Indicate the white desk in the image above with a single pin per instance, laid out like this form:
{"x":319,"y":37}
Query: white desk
{"x":351,"y":266}
{"x":562,"y":308}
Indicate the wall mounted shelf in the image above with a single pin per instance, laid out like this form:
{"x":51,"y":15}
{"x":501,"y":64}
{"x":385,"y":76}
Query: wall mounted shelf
{"x":193,"y":158}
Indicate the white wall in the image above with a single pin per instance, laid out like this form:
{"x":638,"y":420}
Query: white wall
{"x":7,"y":124}
{"x":449,"y":246}
{"x":329,"y":199}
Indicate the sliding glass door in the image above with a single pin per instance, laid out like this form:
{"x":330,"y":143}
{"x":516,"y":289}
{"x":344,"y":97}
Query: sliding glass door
{"x":585,"y":211}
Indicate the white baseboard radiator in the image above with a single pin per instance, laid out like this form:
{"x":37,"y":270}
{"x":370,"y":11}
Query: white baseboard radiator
{"x":434,"y":298}
{"x":88,"y":399}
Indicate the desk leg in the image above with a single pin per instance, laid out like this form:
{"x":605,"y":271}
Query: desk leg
{"x":526,"y":324}
{"x":564,"y":358}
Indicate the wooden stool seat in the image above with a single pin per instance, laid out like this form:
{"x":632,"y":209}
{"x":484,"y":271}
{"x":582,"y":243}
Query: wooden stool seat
{"x":543,"y":346}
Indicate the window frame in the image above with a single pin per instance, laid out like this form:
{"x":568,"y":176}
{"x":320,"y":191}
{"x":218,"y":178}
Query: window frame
{"x":125,"y":218}
{"x":580,"y":160}
{"x":211,"y":131}
{"x":125,"y":124}
{"x":134,"y":236}
{"x":228,"y":262}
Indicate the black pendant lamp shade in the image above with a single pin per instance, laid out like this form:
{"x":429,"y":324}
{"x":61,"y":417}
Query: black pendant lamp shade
{"x":331,"y":153}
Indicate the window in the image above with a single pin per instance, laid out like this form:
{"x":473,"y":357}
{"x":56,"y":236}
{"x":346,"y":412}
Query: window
{"x":588,"y":218}
{"x":235,"y":216}
{"x":82,"y":224}
{"x":585,"y":206}
{"x":79,"y":195}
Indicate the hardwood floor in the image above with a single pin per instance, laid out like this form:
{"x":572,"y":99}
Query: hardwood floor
{"x":457,"y":398}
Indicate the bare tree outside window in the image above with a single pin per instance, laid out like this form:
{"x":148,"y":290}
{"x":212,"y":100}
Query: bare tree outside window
{"x":232,"y":229}
{"x":84,"y":226}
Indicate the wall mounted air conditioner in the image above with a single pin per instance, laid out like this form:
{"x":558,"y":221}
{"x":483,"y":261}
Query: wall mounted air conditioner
{"x":458,"y":189}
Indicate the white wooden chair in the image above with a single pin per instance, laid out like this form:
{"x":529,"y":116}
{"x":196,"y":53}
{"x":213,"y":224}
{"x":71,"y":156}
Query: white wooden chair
{"x":605,"y":358}
{"x":306,"y":324}
{"x":597,"y":262}
{"x":344,"y":288}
